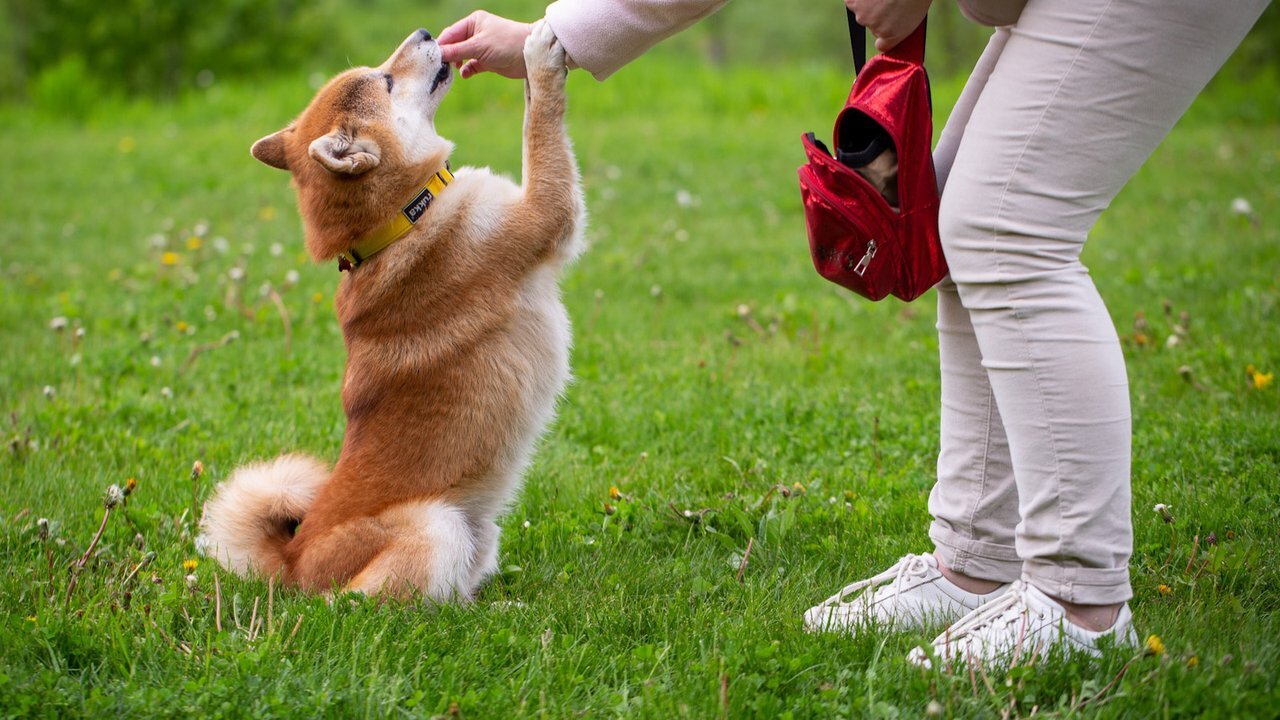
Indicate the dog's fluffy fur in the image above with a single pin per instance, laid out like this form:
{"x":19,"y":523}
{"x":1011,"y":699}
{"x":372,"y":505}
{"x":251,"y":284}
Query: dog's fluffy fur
{"x":457,"y":342}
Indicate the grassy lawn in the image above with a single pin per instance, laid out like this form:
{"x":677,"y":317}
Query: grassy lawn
{"x":725,"y":396}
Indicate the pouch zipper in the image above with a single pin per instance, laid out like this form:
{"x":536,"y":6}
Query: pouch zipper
{"x":861,"y":267}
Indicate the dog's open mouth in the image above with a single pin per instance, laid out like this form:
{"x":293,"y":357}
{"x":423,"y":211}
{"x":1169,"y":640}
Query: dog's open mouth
{"x":440,"y":77}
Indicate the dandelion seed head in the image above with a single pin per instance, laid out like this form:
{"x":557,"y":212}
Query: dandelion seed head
{"x":197,"y":469}
{"x":157,"y":241}
{"x":276,"y":249}
{"x":527,"y":524}
{"x":49,"y":392}
{"x":155,"y":361}
{"x":220,"y":245}
{"x":58,"y":324}
{"x":656,"y":291}
{"x":166,"y":392}
{"x":113,"y":497}
{"x":201,"y":229}
{"x":43,"y":529}
{"x":1241,"y":206}
{"x":192,"y":581}
{"x":236,"y":274}
{"x":292,"y":277}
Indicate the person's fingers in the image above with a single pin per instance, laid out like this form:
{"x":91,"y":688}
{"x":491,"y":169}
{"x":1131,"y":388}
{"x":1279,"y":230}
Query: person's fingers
{"x":460,"y":30}
{"x":886,"y":44}
{"x":463,"y":50}
{"x":470,"y":69}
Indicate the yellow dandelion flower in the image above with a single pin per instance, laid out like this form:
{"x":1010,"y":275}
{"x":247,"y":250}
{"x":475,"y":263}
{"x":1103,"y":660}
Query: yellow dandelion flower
{"x":266,"y":213}
{"x":1193,"y":661}
{"x":115,"y":274}
{"x":190,"y":565}
{"x":194,"y":243}
{"x":614,"y":492}
{"x":1260,"y":379}
{"x":1154,"y":645}
{"x":31,"y":619}
{"x":126,"y":145}
{"x":181,"y":326}
{"x":170,"y":258}
{"x":798,"y":487}
{"x":1164,"y":589}
{"x":317,"y":298}
{"x":130,"y":485}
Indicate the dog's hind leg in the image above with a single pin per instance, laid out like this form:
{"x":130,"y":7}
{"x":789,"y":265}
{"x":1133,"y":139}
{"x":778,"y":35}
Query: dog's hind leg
{"x":431,"y":552}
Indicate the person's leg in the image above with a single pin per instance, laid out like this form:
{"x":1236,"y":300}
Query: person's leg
{"x":974,"y":502}
{"x":1081,"y":94}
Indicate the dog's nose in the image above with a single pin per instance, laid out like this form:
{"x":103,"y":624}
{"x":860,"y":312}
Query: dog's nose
{"x":423,"y":35}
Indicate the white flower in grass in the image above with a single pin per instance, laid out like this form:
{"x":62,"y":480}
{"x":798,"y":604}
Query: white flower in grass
{"x":527,"y":524}
{"x":155,"y":361}
{"x":114,"y":497}
{"x":276,"y":249}
{"x":166,"y":393}
{"x":49,"y":392}
{"x":292,"y":277}
{"x":58,"y":324}
{"x":201,"y":229}
{"x":220,"y":245}
{"x":236,"y":274}
{"x":1162,"y":510}
{"x":1240,"y":206}
{"x":157,"y":241}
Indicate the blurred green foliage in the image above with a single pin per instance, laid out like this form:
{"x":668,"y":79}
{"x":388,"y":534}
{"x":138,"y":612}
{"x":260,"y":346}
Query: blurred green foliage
{"x":60,"y":52}
{"x":155,"y":47}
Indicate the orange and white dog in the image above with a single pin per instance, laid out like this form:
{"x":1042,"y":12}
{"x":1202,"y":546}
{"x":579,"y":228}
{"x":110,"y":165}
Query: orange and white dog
{"x":457,"y":341}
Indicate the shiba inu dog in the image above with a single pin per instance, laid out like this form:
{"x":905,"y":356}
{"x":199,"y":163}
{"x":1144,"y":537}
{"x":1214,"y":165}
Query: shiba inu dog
{"x":457,"y":342}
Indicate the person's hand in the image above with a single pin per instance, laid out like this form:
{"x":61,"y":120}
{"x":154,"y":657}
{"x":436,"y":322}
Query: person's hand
{"x":891,"y":21}
{"x":483,"y":42}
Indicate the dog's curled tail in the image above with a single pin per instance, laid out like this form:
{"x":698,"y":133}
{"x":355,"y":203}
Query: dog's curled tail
{"x":253,"y":514}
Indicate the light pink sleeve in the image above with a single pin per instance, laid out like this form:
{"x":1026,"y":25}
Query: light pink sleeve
{"x":601,"y":36}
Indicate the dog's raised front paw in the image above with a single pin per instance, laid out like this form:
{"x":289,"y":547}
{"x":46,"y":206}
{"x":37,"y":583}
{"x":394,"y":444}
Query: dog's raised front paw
{"x":544,"y":58}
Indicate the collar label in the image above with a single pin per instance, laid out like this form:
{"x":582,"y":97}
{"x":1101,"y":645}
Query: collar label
{"x":417,"y":206}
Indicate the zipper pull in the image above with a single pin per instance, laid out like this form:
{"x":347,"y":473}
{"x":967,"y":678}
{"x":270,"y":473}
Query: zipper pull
{"x":861,"y":267}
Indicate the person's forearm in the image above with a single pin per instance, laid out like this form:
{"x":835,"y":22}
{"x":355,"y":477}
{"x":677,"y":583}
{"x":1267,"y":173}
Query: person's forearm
{"x":600,"y":36}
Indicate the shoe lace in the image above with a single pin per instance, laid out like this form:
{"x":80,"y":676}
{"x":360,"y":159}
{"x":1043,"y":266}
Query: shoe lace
{"x":909,"y":566}
{"x":1008,"y":609}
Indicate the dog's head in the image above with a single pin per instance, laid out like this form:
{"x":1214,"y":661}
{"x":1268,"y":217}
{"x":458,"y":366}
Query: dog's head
{"x":368,"y":137}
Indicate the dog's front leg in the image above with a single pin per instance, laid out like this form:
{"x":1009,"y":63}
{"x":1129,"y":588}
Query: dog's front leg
{"x":546,"y":219}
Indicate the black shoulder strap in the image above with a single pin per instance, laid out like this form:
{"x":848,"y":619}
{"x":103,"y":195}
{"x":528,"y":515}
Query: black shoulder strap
{"x":858,"y":41}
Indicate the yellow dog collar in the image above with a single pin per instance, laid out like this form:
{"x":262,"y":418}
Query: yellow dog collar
{"x":399,"y":226}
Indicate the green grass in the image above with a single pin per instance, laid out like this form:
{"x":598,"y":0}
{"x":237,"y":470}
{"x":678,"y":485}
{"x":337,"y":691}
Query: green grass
{"x":679,"y":403}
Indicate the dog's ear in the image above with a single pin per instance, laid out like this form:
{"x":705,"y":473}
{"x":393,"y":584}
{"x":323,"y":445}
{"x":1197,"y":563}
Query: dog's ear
{"x":270,"y":150}
{"x":341,"y":153}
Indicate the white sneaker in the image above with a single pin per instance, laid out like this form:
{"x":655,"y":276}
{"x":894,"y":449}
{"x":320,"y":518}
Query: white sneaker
{"x":911,"y":595}
{"x":1022,"y":624}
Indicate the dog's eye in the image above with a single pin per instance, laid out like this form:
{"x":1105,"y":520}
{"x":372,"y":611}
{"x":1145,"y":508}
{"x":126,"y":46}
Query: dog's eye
{"x":390,"y":82}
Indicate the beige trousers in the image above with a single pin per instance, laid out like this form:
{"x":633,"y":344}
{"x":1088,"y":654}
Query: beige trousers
{"x":1062,"y":109}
